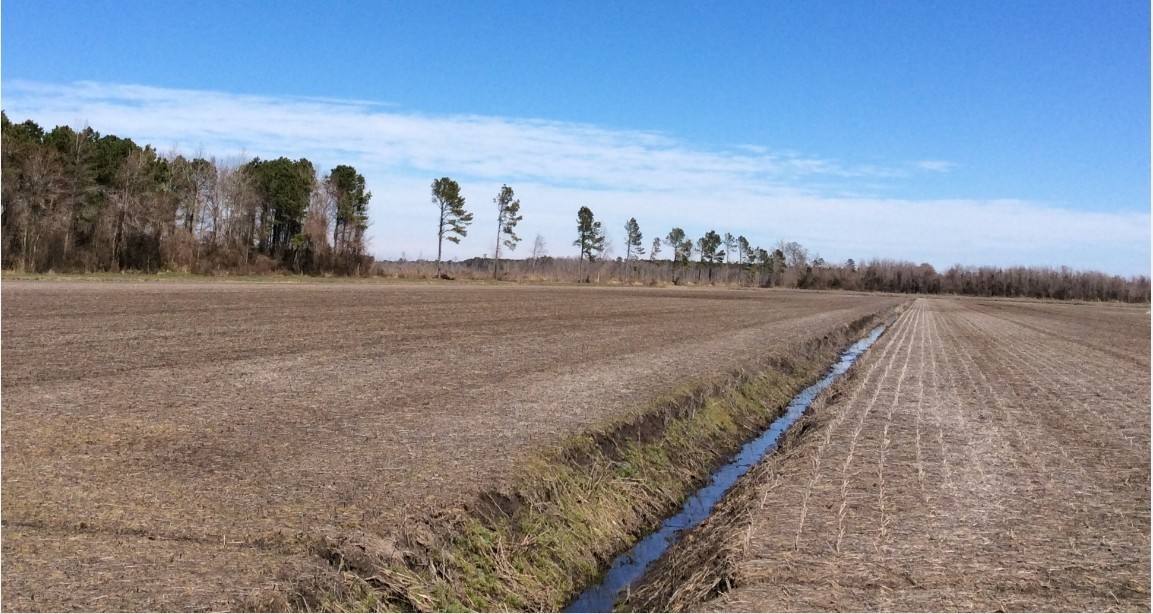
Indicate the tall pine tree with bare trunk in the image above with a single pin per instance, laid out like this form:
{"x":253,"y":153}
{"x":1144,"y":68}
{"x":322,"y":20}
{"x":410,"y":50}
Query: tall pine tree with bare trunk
{"x":633,"y":238}
{"x":507,"y":217}
{"x":454,"y":218}
{"x":590,"y":239}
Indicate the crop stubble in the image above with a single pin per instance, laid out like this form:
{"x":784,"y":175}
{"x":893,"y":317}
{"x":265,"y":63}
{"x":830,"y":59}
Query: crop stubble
{"x":164,"y":444}
{"x":987,"y":455}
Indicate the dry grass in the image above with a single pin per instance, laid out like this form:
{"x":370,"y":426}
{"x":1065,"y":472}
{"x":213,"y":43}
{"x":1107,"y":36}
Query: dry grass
{"x":985,"y":456}
{"x":194,"y":446}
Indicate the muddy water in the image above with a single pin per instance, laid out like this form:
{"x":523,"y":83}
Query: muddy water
{"x":630,"y":566}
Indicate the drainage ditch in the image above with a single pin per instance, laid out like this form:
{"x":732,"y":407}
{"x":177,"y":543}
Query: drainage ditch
{"x":629,"y":567}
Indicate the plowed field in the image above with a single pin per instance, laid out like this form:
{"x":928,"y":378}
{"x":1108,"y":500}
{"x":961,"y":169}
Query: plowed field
{"x":163,"y":443}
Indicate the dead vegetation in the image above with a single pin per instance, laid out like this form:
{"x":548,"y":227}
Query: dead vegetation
{"x":985,"y":456}
{"x":196,"y":446}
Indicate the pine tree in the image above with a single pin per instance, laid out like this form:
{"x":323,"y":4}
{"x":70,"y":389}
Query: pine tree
{"x":507,"y":217}
{"x":454,"y":218}
{"x":633,"y":238}
{"x":590,"y":238}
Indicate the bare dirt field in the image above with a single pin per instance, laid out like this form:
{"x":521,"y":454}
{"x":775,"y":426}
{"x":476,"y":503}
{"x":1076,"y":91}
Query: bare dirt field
{"x":163,"y":442}
{"x":987,"y":455}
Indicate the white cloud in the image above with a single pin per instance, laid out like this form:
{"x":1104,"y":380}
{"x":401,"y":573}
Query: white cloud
{"x":556,"y":167}
{"x":936,"y":166}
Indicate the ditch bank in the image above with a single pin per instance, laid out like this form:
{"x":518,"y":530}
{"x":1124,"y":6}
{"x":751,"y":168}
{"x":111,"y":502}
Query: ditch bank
{"x":573,"y":510}
{"x":629,"y":568}
{"x":703,"y":563}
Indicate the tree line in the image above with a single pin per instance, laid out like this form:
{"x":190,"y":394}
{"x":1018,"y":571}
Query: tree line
{"x":717,"y":258}
{"x":79,"y":200}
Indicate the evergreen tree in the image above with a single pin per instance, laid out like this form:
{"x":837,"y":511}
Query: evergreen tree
{"x":350,"y":219}
{"x":590,"y":238}
{"x":710,"y":248}
{"x":507,"y":217}
{"x":655,"y":250}
{"x":454,"y":218}
{"x":730,"y":246}
{"x":633,"y":238}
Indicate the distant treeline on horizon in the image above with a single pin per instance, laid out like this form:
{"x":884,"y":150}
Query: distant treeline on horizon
{"x":877,"y":275}
{"x":79,"y":201}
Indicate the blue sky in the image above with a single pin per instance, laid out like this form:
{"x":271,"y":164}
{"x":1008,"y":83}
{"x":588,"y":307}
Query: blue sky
{"x":899,"y":129}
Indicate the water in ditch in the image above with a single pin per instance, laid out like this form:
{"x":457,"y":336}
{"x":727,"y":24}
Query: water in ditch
{"x":630,"y":566}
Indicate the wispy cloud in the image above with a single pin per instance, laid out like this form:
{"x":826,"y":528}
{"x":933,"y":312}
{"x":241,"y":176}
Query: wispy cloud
{"x":764,"y":193}
{"x":476,"y":146}
{"x":936,"y":166}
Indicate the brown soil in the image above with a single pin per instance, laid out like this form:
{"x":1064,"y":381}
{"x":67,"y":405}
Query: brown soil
{"x":165,"y":446}
{"x":987,"y":455}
